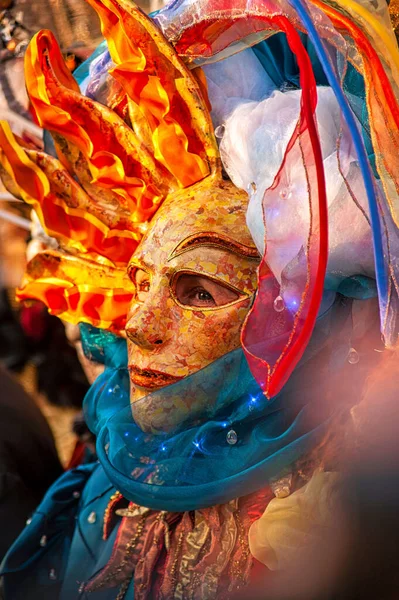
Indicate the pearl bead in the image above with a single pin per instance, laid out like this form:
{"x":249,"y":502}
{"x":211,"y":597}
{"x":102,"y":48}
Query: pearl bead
{"x":278,"y":304}
{"x":231,"y":437}
{"x":92,"y":518}
{"x":353,"y":356}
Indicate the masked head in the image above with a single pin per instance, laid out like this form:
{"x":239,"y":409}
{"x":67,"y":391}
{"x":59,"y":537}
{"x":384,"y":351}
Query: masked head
{"x":195,"y":278}
{"x":145,"y":158}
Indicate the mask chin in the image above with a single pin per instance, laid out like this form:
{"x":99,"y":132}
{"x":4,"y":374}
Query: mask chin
{"x":189,"y":401}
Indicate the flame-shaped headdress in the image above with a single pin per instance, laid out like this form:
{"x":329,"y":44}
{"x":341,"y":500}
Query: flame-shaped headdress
{"x":116,"y":164}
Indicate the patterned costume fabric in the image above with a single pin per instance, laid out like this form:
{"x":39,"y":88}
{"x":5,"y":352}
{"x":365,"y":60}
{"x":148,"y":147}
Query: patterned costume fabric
{"x":239,"y":224}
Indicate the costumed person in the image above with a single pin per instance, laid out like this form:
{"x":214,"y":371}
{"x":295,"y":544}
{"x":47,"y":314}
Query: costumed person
{"x":252,"y":280}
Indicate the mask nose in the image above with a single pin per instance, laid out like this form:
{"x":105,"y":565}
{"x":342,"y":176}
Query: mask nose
{"x":144,"y":330}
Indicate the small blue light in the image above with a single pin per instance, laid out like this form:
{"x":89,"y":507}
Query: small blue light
{"x":163,"y":447}
{"x":196,"y":444}
{"x":253,"y":399}
{"x":225,"y":424}
{"x":294,"y":303}
{"x":110,"y":390}
{"x":126,"y":434}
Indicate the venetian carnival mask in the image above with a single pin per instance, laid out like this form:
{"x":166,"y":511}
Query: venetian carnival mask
{"x":195,"y":275}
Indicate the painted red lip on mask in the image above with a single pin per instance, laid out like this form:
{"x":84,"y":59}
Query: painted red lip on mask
{"x":148,"y":378}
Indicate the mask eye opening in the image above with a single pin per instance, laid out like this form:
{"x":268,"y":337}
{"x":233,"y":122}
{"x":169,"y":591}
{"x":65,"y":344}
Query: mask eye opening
{"x":194,"y":301}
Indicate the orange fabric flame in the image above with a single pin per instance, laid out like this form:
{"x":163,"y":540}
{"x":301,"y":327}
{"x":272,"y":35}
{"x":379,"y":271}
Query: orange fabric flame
{"x":60,"y":203}
{"x":166,"y":97}
{"x":61,"y":282}
{"x":111,"y":149}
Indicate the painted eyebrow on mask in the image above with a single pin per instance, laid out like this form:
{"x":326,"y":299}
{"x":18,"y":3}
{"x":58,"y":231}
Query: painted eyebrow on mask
{"x":214,"y":240}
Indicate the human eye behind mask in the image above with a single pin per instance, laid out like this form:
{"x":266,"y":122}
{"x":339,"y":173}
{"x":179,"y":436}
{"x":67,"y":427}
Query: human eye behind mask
{"x":197,"y":291}
{"x":189,"y":290}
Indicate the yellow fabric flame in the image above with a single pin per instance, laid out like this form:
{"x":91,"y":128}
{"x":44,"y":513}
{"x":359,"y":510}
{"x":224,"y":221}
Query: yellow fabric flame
{"x":61,"y":282}
{"x":154,"y":78}
{"x":71,"y":224}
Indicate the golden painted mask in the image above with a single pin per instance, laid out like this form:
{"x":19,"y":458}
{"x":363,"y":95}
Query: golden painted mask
{"x":195,"y":275}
